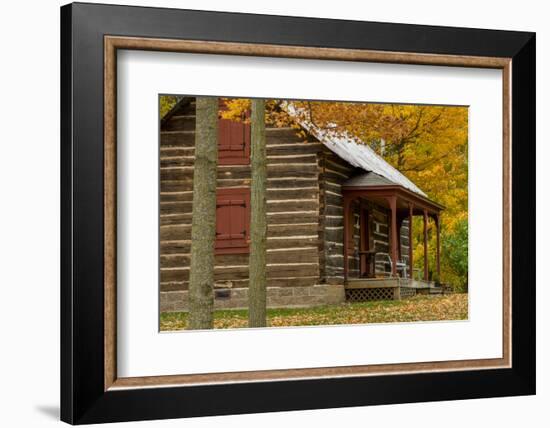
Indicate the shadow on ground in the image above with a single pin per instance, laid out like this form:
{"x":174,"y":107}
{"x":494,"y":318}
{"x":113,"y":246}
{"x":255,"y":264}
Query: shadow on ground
{"x":50,"y":411}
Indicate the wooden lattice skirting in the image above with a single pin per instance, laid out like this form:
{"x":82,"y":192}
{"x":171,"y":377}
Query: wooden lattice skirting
{"x":367,"y":294}
{"x":407,"y":292}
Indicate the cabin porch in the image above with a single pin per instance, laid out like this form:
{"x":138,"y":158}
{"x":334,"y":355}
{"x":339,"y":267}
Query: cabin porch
{"x":398,"y":278}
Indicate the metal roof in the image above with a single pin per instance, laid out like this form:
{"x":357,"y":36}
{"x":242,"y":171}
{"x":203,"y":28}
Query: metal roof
{"x":358,"y":155}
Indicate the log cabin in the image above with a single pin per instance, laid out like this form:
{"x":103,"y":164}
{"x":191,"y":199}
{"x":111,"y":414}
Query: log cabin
{"x":339,"y":217}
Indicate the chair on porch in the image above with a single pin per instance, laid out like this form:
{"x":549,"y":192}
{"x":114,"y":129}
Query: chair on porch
{"x":401,"y":267}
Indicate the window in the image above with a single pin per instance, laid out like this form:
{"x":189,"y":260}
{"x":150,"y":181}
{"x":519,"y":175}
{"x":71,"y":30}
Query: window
{"x":233,"y":220}
{"x":233,"y":140}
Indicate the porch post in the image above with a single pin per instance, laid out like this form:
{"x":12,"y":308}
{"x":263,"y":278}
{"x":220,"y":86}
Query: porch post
{"x":411,"y":207}
{"x":425,"y":245}
{"x":393,"y":236}
{"x":362,"y":240}
{"x":438,"y":225}
{"x":347,"y":203}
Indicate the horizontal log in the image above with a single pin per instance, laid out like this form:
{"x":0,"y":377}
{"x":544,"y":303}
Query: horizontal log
{"x":380,"y":235}
{"x":293,"y":149}
{"x":228,"y":273}
{"x":333,"y":177}
{"x":175,"y":247}
{"x":289,"y":230}
{"x":175,"y":219}
{"x":272,"y":206}
{"x":331,"y":263}
{"x":181,"y":196}
{"x":334,"y":278}
{"x":180,"y":123}
{"x":180,"y":139}
{"x":281,"y":282}
{"x":243,"y":283}
{"x":333,"y":210}
{"x":292,"y":205}
{"x":307,"y":158}
{"x":339,"y":165}
{"x":176,"y":151}
{"x":182,"y":143}
{"x":175,"y":232}
{"x":335,"y":191}
{"x":171,"y":186}
{"x":291,"y":183}
{"x":293,"y":217}
{"x":183,"y":260}
{"x":182,"y":231}
{"x":333,"y":221}
{"x":293,"y":193}
{"x":177,"y":161}
{"x":343,"y":175}
{"x":291,"y":255}
{"x":176,"y":207}
{"x":292,"y":242}
{"x":280,"y":136}
{"x":332,"y":199}
{"x":274,"y":184}
{"x":179,"y":130}
{"x":331,"y":186}
{"x":272,"y":194}
{"x":333,"y":270}
{"x":174,"y":260}
{"x":184,"y":246}
{"x":242,"y":171}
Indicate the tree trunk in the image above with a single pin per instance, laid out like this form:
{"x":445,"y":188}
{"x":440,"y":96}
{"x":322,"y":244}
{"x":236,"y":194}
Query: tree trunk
{"x":203,"y":231}
{"x":258,"y":218}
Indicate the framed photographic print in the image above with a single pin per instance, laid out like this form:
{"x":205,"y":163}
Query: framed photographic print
{"x":266,"y":213}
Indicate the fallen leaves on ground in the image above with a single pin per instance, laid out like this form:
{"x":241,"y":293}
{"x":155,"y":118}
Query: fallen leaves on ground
{"x":418,"y":308}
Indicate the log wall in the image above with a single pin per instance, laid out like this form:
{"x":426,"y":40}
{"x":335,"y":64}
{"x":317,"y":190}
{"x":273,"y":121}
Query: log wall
{"x":333,"y":171}
{"x":292,"y":197}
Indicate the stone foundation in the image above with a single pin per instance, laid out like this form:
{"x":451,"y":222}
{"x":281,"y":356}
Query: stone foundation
{"x":277,"y":297}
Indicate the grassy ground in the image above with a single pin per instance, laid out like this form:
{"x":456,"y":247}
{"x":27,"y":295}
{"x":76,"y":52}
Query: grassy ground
{"x":419,"y":308}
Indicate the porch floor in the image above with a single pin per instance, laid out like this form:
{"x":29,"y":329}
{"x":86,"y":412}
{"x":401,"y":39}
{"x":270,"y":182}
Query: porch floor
{"x":388,"y":282}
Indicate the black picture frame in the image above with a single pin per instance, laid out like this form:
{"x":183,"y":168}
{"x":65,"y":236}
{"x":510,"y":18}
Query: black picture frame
{"x":83,"y":399}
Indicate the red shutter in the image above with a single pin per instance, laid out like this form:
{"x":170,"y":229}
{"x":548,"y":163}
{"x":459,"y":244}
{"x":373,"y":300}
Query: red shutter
{"x":233,"y":140}
{"x":232,"y":220}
